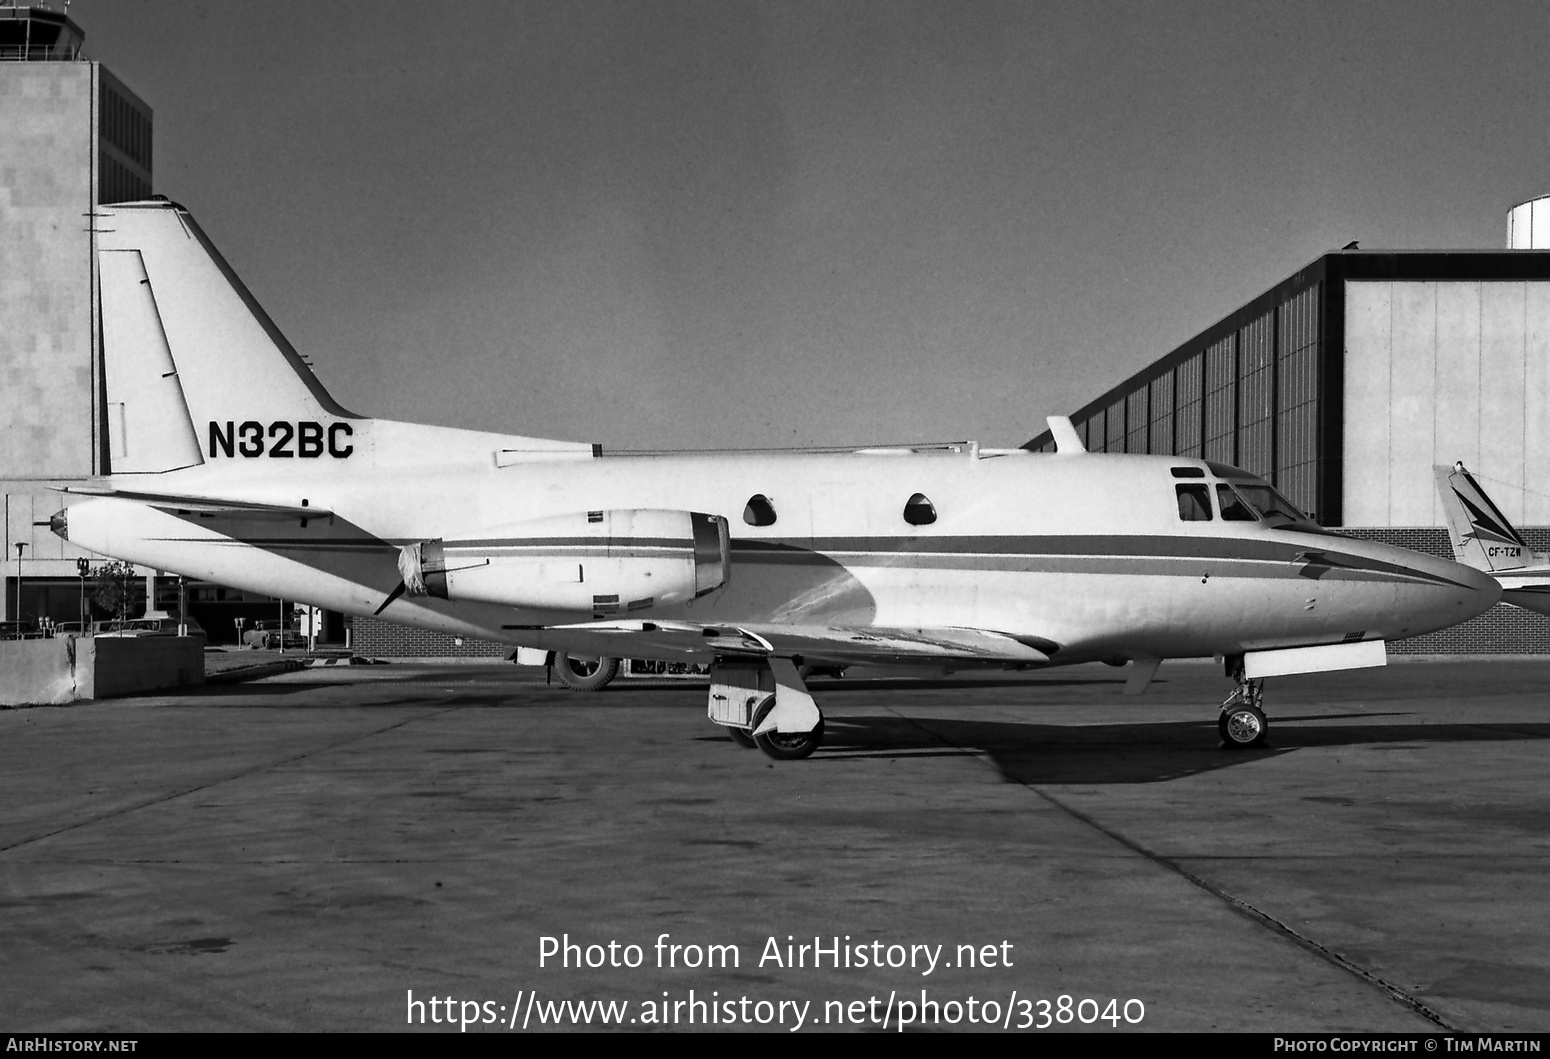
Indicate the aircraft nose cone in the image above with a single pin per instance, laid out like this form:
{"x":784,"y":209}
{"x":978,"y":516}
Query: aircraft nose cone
{"x":60,"y":523}
{"x":1477,"y":592}
{"x":1429,"y":593}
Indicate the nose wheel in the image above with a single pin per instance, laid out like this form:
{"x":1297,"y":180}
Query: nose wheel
{"x":1242,"y":727}
{"x":1242,"y":722}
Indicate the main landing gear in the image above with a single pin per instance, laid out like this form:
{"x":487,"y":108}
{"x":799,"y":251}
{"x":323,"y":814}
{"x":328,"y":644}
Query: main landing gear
{"x":764,"y":704}
{"x":1242,"y":723}
{"x":585,"y":674}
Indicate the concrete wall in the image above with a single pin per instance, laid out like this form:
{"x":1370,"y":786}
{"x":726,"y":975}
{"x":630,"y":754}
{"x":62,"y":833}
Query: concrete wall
{"x":55,"y":134}
{"x":1443,"y":372}
{"x":38,"y":672}
{"x":48,"y":159}
{"x":47,"y":144}
{"x":71,"y":668}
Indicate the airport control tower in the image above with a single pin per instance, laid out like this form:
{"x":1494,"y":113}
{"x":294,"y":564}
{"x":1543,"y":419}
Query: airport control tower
{"x":71,"y":136}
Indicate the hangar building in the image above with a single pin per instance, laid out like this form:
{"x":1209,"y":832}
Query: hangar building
{"x":1346,"y":382}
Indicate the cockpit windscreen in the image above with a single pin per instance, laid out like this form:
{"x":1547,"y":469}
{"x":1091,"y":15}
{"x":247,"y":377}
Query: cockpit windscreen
{"x":1271,"y":505}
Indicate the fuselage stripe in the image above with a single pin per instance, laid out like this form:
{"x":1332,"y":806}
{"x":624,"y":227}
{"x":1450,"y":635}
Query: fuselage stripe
{"x":1130,"y":555}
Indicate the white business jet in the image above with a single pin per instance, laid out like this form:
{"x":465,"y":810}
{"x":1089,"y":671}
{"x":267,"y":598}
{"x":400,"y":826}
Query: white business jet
{"x":1483,"y":538}
{"x":231,"y":463}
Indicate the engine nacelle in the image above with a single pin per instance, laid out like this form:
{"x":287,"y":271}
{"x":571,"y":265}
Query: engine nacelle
{"x":602,"y":562}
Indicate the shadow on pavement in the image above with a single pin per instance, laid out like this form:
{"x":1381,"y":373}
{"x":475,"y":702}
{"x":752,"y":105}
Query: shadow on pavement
{"x":1151,"y":752}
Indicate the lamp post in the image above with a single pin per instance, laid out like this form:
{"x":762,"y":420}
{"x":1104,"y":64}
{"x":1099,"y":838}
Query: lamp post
{"x":19,"y":546}
{"x":83,"y":567}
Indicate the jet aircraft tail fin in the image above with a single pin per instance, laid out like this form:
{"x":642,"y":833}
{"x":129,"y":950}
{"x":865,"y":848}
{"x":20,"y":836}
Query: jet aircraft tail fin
{"x":195,"y":372}
{"x":1481,"y":535}
{"x":193,"y":367}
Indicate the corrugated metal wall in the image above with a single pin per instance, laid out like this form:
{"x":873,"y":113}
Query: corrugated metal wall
{"x":1249,"y":399}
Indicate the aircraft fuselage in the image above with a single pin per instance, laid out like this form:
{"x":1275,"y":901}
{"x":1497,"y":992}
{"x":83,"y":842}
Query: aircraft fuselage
{"x":1085,"y":556}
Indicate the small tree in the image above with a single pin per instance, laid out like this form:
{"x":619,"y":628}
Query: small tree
{"x":115,"y":588}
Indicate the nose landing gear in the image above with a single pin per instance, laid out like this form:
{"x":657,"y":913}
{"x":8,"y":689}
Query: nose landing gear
{"x":1242,"y":726}
{"x":1242,"y":722}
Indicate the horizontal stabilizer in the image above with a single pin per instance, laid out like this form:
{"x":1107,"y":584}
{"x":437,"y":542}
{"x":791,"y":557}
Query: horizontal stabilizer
{"x":1529,"y":592}
{"x":201,"y":505}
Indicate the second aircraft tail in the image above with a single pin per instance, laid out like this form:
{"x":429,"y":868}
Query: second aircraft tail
{"x":1481,"y":535}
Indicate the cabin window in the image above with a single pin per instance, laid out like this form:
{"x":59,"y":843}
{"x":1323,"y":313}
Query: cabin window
{"x":1234,"y":507}
{"x":759,"y":511}
{"x":1194,"y":503}
{"x":918,"y":511}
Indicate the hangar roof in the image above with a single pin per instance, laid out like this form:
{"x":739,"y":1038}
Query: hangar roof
{"x":1333,"y":270}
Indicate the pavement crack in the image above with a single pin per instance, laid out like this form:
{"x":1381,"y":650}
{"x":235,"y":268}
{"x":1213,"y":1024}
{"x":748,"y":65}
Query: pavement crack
{"x":1238,"y":905}
{"x":173,"y":795}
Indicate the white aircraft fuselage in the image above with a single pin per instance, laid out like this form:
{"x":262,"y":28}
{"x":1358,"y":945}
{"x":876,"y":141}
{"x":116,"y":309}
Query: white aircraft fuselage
{"x":232,"y":464}
{"x":1084,"y":555}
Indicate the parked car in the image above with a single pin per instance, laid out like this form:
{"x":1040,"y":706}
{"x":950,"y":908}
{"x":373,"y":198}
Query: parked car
{"x":145,"y":627}
{"x":18,"y":630}
{"x":269,"y":639}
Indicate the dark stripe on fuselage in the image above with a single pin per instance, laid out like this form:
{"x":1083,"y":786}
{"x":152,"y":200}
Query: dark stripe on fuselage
{"x":1174,"y":556}
{"x":632,"y":546}
{"x":527,"y":543}
{"x":1097,"y":553}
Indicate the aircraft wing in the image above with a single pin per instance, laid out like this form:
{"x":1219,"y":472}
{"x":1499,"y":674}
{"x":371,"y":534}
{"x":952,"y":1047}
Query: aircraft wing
{"x":818,"y":642}
{"x":180,"y":503}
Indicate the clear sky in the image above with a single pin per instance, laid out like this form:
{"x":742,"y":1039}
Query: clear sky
{"x":727,"y":224}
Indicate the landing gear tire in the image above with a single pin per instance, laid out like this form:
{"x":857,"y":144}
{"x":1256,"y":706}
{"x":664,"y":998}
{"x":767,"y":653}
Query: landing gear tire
{"x":585,"y":674}
{"x":742,"y":738}
{"x":785,"y":746}
{"x":1242,"y":727}
{"x":790,"y":746}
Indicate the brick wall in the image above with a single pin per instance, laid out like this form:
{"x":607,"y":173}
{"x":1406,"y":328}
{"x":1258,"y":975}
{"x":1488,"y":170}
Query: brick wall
{"x":384,"y":639}
{"x":1502,"y":630}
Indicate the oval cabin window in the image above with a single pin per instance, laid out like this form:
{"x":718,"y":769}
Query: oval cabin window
{"x":759,"y":512}
{"x":919,"y":511}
